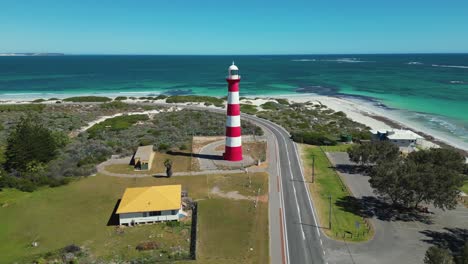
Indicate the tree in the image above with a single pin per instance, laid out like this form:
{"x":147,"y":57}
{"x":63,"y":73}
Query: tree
{"x":431,"y":176}
{"x":436,"y":255}
{"x":29,"y":142}
{"x":168,"y":165}
{"x":366,"y":154}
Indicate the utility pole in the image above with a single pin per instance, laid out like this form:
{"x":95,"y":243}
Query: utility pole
{"x":313,"y":168}
{"x":329,"y":212}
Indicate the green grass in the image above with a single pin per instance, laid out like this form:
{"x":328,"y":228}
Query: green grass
{"x":81,"y":99}
{"x":78,"y":213}
{"x":195,"y":99}
{"x":22,"y":107}
{"x":116,"y":123}
{"x":327,"y":182}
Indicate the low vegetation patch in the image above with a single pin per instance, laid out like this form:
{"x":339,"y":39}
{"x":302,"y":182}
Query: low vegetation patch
{"x":328,"y":183}
{"x":248,"y":109}
{"x":116,"y":124}
{"x":313,"y":125}
{"x":22,"y":108}
{"x":208,"y":100}
{"x":83,"y":99}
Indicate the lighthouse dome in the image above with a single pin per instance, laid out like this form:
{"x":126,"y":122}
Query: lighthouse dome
{"x":233,"y":72}
{"x":233,"y":67}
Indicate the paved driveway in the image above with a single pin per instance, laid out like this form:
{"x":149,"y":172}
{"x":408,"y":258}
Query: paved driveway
{"x":397,"y":240}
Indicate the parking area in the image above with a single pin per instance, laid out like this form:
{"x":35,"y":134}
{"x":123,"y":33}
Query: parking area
{"x":398,"y":239}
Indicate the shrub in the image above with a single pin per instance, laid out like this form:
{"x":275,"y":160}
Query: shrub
{"x":248,"y":109}
{"x":163,"y":147}
{"x":96,"y":99}
{"x":120,"y":98}
{"x":282,"y":101}
{"x":183,"y":147}
{"x":72,"y":248}
{"x":116,"y":123}
{"x":40,"y":100}
{"x":271,"y":106}
{"x":313,"y":138}
{"x":160,"y":97}
{"x":149,"y":245}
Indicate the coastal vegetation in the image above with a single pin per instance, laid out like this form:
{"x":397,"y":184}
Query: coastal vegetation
{"x":313,"y":123}
{"x":86,"y":99}
{"x":207,"y":100}
{"x":73,"y":154}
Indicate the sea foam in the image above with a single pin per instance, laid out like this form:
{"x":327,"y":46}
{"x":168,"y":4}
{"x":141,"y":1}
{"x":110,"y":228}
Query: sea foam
{"x":450,"y":66}
{"x":302,"y":60}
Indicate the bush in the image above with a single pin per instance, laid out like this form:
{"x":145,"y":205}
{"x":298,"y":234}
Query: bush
{"x":72,"y":248}
{"x":94,"y":99}
{"x":149,"y":245}
{"x":271,"y":106}
{"x":40,"y":100}
{"x":248,"y":109}
{"x":183,"y":147}
{"x":120,"y":98}
{"x":282,"y":101}
{"x":163,"y":147}
{"x":160,"y":97}
{"x":314,"y":138}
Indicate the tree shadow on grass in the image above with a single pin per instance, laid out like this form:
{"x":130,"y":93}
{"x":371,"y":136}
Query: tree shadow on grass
{"x":452,"y":238}
{"x":195,"y":155}
{"x":370,"y":206}
{"x":114,"y":218}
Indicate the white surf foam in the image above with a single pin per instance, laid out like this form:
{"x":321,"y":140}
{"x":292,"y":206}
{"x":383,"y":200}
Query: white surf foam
{"x":450,"y":66}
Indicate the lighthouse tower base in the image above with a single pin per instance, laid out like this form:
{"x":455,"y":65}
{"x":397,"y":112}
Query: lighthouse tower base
{"x":233,"y":154}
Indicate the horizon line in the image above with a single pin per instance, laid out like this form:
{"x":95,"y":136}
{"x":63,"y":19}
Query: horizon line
{"x":247,"y":54}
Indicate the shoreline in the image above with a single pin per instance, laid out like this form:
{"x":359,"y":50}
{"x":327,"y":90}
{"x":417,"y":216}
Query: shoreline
{"x":368,"y":112}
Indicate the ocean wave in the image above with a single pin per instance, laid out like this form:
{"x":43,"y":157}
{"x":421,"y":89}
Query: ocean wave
{"x":415,"y":63}
{"x":442,"y":124}
{"x":450,"y":66}
{"x":347,"y":60}
{"x":457,"y":82}
{"x":304,"y":60}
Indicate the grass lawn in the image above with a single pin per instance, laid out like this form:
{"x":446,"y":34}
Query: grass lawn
{"x":327,"y":182}
{"x":180,"y":163}
{"x":79,"y":212}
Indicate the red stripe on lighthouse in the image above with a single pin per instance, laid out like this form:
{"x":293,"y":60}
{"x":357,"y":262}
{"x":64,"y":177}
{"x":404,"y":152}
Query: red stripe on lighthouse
{"x":233,"y":131}
{"x":233,"y":153}
{"x":233,"y":85}
{"x":233,"y":110}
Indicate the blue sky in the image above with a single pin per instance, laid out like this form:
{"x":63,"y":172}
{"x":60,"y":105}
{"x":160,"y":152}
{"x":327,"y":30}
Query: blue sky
{"x":233,"y":27}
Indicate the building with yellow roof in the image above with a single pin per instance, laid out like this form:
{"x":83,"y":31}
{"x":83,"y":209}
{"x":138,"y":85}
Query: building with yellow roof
{"x":150,"y":204}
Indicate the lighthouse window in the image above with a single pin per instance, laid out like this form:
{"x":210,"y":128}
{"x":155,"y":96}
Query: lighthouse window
{"x":234,"y":72}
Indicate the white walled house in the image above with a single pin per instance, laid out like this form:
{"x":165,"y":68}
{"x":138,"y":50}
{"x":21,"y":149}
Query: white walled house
{"x":150,"y":204}
{"x":406,"y":140}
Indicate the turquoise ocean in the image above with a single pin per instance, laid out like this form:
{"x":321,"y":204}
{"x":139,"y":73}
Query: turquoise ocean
{"x":430,"y":89}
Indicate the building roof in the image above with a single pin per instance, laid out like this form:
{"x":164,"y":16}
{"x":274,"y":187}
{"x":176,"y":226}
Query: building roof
{"x":401,"y":134}
{"x":144,"y":153}
{"x":153,"y":198}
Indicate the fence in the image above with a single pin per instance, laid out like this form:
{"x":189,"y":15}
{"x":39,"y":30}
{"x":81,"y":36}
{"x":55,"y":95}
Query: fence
{"x":193,"y":232}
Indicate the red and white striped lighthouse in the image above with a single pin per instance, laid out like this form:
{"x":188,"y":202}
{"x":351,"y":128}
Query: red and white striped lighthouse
{"x":233,"y":149}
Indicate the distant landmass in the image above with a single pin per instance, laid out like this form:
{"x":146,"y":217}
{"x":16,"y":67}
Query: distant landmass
{"x":31,"y":54}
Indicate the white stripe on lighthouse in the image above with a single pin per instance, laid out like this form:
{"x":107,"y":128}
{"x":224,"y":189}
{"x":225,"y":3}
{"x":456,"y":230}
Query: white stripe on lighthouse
{"x":233,"y":121}
{"x":233,"y":141}
{"x":233,"y":97}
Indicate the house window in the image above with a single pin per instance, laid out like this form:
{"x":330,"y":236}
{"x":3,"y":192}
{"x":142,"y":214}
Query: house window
{"x":173,"y":212}
{"x":155,"y":213}
{"x":145,"y":214}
